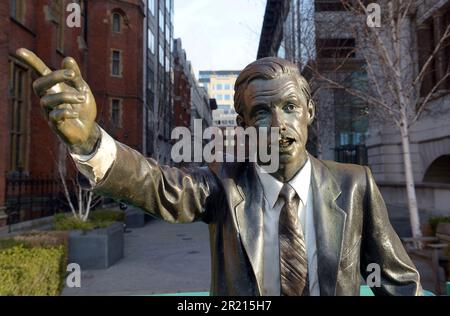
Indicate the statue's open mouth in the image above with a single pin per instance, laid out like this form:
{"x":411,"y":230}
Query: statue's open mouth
{"x":286,"y":142}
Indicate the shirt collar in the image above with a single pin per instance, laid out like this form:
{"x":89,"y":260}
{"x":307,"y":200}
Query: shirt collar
{"x":272,"y":187}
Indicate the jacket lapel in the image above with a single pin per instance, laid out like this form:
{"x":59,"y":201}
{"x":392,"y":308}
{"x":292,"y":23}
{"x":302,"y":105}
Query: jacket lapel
{"x":329,"y":221}
{"x":249,"y":216}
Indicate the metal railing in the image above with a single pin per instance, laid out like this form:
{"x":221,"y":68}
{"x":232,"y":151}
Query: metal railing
{"x":356,"y":154}
{"x":29,"y":198}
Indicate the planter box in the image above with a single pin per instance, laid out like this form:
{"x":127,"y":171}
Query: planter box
{"x":135,"y":218}
{"x":97,"y":249}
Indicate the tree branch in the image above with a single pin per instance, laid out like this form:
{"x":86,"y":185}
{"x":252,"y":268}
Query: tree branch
{"x":423,"y":104}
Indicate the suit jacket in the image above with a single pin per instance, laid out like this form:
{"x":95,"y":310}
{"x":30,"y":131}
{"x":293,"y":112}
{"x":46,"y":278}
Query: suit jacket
{"x":350,"y":217}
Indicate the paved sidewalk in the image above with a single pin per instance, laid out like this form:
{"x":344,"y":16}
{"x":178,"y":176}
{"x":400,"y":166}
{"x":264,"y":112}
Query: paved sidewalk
{"x":159,"y":258}
{"x":166,"y":258}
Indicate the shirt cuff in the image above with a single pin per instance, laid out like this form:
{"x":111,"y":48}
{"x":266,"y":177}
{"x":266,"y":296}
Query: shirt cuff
{"x":96,"y":165}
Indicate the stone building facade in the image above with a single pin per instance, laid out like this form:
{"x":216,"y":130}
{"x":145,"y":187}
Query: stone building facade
{"x":313,"y":34}
{"x":430,"y":136}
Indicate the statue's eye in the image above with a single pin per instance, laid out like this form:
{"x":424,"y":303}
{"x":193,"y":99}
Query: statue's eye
{"x":260,"y":112}
{"x":289,"y":107}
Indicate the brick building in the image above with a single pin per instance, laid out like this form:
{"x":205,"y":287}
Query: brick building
{"x":182,"y":87}
{"x":108,"y":46}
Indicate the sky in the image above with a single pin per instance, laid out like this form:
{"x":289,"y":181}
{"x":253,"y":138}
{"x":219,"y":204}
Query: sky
{"x":219,"y":34}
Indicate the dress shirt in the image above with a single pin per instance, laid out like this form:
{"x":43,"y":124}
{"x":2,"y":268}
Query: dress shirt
{"x":271,"y":210}
{"x":95,"y":165}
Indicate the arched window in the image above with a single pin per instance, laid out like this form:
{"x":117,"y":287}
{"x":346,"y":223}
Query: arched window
{"x":116,"y":22}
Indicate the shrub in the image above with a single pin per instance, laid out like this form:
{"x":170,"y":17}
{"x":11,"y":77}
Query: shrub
{"x":10,"y":242}
{"x":97,"y":219}
{"x":435,"y":220}
{"x":63,"y":222}
{"x":32,"y":271}
{"x":107,"y":216}
{"x":44,"y":239}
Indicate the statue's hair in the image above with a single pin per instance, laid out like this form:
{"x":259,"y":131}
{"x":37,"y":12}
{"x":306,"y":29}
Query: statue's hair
{"x":267,"y":68}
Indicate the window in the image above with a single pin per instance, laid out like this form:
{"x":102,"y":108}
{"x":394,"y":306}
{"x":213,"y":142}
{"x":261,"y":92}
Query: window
{"x":116,"y":22}
{"x":84,"y":20}
{"x":151,"y":5}
{"x":150,"y":79}
{"x":168,"y":5}
{"x":167,"y":33}
{"x":227,"y":87}
{"x":161,"y":55}
{"x":116,"y":63}
{"x":429,"y":34}
{"x":167,"y":64}
{"x":329,"y":5}
{"x":219,"y":97}
{"x":336,"y":48}
{"x":351,"y":126}
{"x":227,"y":97}
{"x":17,"y":9}
{"x":161,"y":20}
{"x":19,"y":133}
{"x":151,"y":41}
{"x":59,"y":10}
{"x":116,"y":112}
{"x":219,"y":86}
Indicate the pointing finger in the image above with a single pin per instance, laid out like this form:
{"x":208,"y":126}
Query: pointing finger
{"x":70,"y":64}
{"x":33,"y":61}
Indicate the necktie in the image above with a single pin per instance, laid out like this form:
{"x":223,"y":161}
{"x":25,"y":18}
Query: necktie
{"x":293,"y":259}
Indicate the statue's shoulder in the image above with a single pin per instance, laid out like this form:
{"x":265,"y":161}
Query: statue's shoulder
{"x":342,"y":171}
{"x":229,"y":170}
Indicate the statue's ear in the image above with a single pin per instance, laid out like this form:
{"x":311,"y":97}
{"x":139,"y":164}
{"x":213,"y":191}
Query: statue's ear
{"x":240,"y":121}
{"x":311,"y":112}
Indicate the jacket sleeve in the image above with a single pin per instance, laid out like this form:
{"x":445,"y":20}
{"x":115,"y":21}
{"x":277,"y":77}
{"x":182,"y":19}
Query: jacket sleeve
{"x":381,"y":245}
{"x":172,"y":194}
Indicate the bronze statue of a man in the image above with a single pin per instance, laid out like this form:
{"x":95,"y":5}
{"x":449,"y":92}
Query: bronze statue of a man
{"x":311,"y":228}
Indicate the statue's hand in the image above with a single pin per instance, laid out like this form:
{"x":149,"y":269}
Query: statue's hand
{"x":66,"y":101}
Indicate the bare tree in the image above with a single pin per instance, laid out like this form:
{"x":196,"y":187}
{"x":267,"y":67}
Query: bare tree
{"x":86,"y":200}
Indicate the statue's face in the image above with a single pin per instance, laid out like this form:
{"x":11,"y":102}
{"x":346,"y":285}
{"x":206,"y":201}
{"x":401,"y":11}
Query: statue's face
{"x":280,"y":103}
